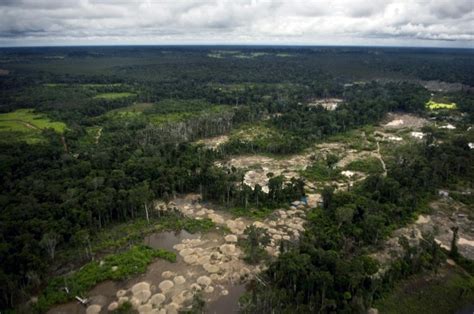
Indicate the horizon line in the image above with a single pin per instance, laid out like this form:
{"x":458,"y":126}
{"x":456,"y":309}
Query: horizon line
{"x":232,"y":45}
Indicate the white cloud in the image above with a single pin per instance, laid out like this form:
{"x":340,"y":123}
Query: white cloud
{"x":391,"y":22}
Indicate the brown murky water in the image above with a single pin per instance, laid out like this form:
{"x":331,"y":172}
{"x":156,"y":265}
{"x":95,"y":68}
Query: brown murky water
{"x":105,"y":292}
{"x":227,"y":304}
{"x":166,"y":240}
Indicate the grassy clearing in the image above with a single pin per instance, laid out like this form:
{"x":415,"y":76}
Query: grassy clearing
{"x":359,"y":139}
{"x":90,"y":137}
{"x":113,"y":267}
{"x":173,"y":117}
{"x":241,"y":87}
{"x":369,"y":165}
{"x":169,"y":118}
{"x":167,"y":106}
{"x":319,"y":171}
{"x":130,"y":111}
{"x":167,"y":111}
{"x":26,"y":125}
{"x":258,"y":133}
{"x":114,"y":96}
{"x":31,"y":120}
{"x":432,"y":105}
{"x":137,"y":107}
{"x":444,"y":293}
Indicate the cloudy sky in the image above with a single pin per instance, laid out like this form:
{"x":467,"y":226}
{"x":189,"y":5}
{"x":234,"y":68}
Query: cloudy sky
{"x":439,"y":23}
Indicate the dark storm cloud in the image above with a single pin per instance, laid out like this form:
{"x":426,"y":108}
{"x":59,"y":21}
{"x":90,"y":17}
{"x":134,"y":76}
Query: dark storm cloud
{"x":452,"y":9}
{"x":402,"y":22}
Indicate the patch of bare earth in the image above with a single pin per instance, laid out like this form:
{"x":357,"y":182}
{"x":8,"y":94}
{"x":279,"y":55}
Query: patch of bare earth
{"x":326,"y":103}
{"x":4,"y":72}
{"x":98,"y":135}
{"x":214,"y":142}
{"x":446,"y":215}
{"x":403,"y":121}
{"x":259,"y":167}
{"x":211,"y":263}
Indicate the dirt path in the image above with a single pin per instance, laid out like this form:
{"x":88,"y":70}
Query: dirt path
{"x":27,"y":124}
{"x":63,"y":141}
{"x":97,"y":137}
{"x":379,"y":156}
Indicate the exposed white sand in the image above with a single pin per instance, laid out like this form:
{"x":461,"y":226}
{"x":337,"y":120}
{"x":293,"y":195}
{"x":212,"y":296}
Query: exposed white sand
{"x":417,"y":135}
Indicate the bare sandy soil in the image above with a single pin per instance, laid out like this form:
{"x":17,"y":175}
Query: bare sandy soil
{"x":214,"y":142}
{"x":326,"y":103}
{"x":259,"y":167}
{"x":403,"y":121}
{"x":4,"y":72}
{"x":210,"y":263}
{"x":98,"y":135}
{"x":213,"y":263}
{"x":447,"y":214}
{"x":438,"y":86}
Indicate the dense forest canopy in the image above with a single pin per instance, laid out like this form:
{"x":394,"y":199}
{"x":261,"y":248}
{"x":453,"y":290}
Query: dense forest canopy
{"x":131,"y":116}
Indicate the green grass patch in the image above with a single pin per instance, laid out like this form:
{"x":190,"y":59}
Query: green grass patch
{"x":31,"y":120}
{"x":167,"y":111}
{"x":26,"y":125}
{"x":130,"y":111}
{"x":178,"y":116}
{"x":445,"y":293}
{"x":263,"y":138}
{"x":90,"y":137}
{"x":369,"y":165}
{"x":137,"y":107}
{"x":355,"y":139}
{"x":131,"y":262}
{"x":169,"y":118}
{"x":260,"y":133}
{"x":190,"y":225}
{"x":114,"y":96}
{"x":168,"y":106}
{"x":432,"y":105}
{"x":319,"y":171}
{"x":122,"y":234}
